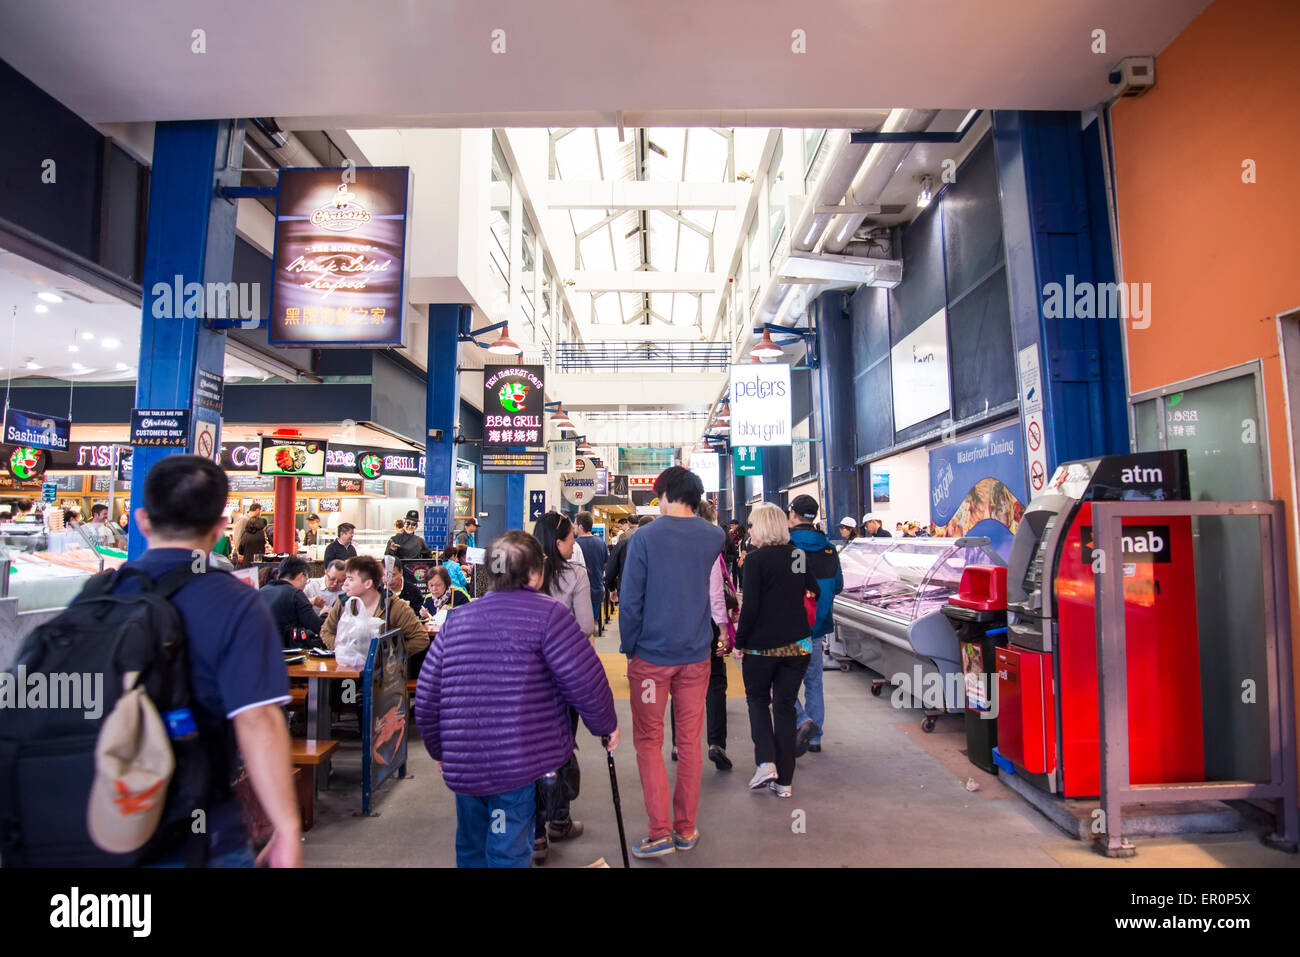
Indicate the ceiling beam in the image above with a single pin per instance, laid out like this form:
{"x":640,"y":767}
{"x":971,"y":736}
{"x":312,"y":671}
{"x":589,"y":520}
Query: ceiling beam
{"x":644,"y":281}
{"x":631,"y":194}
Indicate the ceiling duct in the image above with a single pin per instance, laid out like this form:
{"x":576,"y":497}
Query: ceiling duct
{"x":874,"y":175}
{"x":283,"y":147}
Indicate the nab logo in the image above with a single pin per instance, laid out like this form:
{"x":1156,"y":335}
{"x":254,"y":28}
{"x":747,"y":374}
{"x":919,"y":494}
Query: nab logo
{"x":1141,"y":476}
{"x":1139,"y":543}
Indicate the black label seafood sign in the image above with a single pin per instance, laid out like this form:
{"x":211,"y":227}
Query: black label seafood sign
{"x":340,"y":251}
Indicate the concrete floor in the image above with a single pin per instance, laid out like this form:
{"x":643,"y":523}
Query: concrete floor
{"x":880,"y":794}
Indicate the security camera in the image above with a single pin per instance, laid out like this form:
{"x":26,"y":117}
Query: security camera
{"x":1133,"y":76}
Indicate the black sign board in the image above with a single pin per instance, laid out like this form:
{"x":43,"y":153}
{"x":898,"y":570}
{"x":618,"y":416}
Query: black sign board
{"x":513,"y":404}
{"x":350,"y":485}
{"x":37,"y":430}
{"x":620,"y":485}
{"x":312,"y":483}
{"x":208,"y":388}
{"x":533,"y":463}
{"x":160,"y":428}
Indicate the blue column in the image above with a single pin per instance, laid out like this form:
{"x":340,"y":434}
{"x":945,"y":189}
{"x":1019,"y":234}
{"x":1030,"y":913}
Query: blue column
{"x":1056,"y":230}
{"x":190,"y":239}
{"x":833,"y":408}
{"x":442,"y":406}
{"x":516,"y":507}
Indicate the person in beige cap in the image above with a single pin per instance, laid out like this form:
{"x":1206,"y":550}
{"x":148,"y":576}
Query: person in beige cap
{"x":237,"y":678}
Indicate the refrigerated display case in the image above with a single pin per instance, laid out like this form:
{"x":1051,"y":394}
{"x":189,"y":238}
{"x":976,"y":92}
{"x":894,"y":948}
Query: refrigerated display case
{"x":889,"y":616}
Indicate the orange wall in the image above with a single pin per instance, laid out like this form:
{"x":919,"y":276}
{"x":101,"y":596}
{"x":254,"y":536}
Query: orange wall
{"x":1222,"y":256}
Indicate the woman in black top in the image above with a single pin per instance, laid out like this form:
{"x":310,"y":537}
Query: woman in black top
{"x":774,"y":643}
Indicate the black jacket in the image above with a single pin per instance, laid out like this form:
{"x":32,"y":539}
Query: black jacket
{"x":772,"y":611}
{"x":614,"y":567}
{"x":407,"y":545}
{"x":290,"y":608}
{"x":411,"y":595}
{"x":337,"y":551}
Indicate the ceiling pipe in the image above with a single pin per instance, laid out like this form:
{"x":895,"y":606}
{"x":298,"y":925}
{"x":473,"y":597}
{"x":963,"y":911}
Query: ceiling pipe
{"x":881,"y":164}
{"x":281,"y":146}
{"x":843,"y":162}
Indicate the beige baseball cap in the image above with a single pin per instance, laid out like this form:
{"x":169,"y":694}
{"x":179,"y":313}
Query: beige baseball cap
{"x":133,"y":767}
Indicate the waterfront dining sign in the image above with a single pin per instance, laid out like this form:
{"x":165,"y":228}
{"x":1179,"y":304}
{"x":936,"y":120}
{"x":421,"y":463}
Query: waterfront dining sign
{"x":339,"y":269}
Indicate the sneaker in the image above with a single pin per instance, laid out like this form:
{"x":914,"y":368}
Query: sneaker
{"x":686,"y":843}
{"x":719,"y":758}
{"x":781,"y":790}
{"x":540,"y":849}
{"x":656,"y":848}
{"x":766,"y":772}
{"x":815,"y":748}
{"x":564,"y":831}
{"x":803,"y":737}
{"x":674,"y":754}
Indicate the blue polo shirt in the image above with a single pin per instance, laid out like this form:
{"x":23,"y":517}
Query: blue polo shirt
{"x":236,"y":664}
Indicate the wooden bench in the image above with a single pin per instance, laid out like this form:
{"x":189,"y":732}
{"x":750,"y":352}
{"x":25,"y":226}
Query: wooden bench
{"x":297,"y":697}
{"x":309,"y":754}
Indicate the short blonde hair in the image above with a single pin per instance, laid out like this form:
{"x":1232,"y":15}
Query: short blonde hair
{"x":768,"y":525}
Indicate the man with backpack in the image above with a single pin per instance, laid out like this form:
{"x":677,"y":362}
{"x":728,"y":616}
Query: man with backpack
{"x":824,"y":562}
{"x":194,"y":679}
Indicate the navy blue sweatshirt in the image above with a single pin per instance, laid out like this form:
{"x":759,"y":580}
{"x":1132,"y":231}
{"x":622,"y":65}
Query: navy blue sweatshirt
{"x":663,"y":612}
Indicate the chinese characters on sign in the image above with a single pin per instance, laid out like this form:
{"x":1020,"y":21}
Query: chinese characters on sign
{"x":164,"y":428}
{"x":513,"y":398}
{"x":340,"y":257}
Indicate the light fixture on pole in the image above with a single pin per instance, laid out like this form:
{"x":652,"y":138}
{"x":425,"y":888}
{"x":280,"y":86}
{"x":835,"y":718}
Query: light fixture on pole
{"x":766,"y":348}
{"x":927,"y":192}
{"x":560,"y":419}
{"x":504,"y":345}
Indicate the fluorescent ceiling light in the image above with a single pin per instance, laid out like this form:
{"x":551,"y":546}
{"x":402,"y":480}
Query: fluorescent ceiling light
{"x":120,"y":366}
{"x":49,"y":297}
{"x":109,"y":343}
{"x":39,"y":308}
{"x":88,"y":336}
{"x":33,"y":364}
{"x":74,"y":348}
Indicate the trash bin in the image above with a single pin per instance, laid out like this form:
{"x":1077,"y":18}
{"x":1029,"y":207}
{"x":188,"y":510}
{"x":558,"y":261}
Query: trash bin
{"x":978,"y":612}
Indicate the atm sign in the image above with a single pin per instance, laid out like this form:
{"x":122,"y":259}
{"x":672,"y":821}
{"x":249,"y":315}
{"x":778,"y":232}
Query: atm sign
{"x":1139,"y":543}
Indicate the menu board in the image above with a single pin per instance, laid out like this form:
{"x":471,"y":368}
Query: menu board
{"x":285,"y":456}
{"x":327,"y":505}
{"x":375,"y":486}
{"x":312,"y":483}
{"x":350,"y":485}
{"x":250,"y":483}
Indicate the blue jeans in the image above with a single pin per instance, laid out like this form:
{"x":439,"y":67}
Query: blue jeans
{"x":496,"y":831}
{"x":597,"y":601}
{"x":243,"y":857}
{"x":813,"y":706}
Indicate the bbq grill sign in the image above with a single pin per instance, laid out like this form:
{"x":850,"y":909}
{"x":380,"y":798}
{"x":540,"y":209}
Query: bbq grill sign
{"x":760,"y":404}
{"x":513,"y":400}
{"x":339,"y":274}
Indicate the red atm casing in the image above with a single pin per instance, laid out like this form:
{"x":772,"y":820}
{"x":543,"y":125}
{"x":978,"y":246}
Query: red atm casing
{"x":1026,"y":728}
{"x":1164,"y":673}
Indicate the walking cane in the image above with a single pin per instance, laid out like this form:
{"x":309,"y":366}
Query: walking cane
{"x":618,"y":806}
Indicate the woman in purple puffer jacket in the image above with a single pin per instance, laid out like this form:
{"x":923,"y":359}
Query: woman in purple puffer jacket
{"x":492,"y":703}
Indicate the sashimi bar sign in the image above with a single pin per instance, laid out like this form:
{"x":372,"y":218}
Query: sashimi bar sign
{"x":339,"y":274}
{"x":513,"y":399}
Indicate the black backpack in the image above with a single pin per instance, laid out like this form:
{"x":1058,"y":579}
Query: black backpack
{"x":47,"y":755}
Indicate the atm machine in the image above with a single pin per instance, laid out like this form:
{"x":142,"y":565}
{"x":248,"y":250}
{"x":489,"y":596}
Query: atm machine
{"x":1047,"y":673}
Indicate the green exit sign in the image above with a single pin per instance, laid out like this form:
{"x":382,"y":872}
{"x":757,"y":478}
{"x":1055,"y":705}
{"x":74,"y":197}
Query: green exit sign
{"x":747,"y":459}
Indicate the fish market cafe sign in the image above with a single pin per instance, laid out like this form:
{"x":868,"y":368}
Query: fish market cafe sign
{"x":244,"y":457}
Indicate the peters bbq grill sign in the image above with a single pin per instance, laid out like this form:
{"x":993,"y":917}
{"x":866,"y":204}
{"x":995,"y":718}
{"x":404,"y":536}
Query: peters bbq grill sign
{"x":513,"y":401}
{"x":339,"y":269}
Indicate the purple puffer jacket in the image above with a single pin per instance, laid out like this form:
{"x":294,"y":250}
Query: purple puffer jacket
{"x":494,"y":691}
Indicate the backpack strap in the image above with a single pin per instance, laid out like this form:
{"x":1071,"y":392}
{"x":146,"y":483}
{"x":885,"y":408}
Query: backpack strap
{"x":176,"y":579}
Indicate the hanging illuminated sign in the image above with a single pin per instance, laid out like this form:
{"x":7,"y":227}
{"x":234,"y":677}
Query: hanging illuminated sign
{"x":284,"y":456}
{"x":513,"y":402}
{"x":36,"y":430}
{"x":339,"y":267}
{"x":760,"y":404}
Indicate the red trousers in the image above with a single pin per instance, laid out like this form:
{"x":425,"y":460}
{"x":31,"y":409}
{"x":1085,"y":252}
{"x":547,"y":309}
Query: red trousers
{"x":651,"y":687}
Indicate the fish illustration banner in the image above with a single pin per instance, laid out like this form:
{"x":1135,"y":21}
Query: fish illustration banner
{"x":339,"y":270}
{"x":513,"y":403}
{"x":977,"y":487}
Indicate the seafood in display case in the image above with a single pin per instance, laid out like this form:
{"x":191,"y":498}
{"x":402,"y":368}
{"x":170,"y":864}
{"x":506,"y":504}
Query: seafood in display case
{"x":889,"y":617}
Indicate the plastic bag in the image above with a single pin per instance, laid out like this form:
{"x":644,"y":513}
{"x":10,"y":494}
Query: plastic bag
{"x":353,"y":634}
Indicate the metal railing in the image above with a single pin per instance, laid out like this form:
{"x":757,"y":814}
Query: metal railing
{"x":1112,"y":682}
{"x":643,"y":356}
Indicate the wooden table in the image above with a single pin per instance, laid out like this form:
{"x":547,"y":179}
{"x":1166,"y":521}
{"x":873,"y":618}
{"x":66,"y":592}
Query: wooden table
{"x":318,"y":671}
